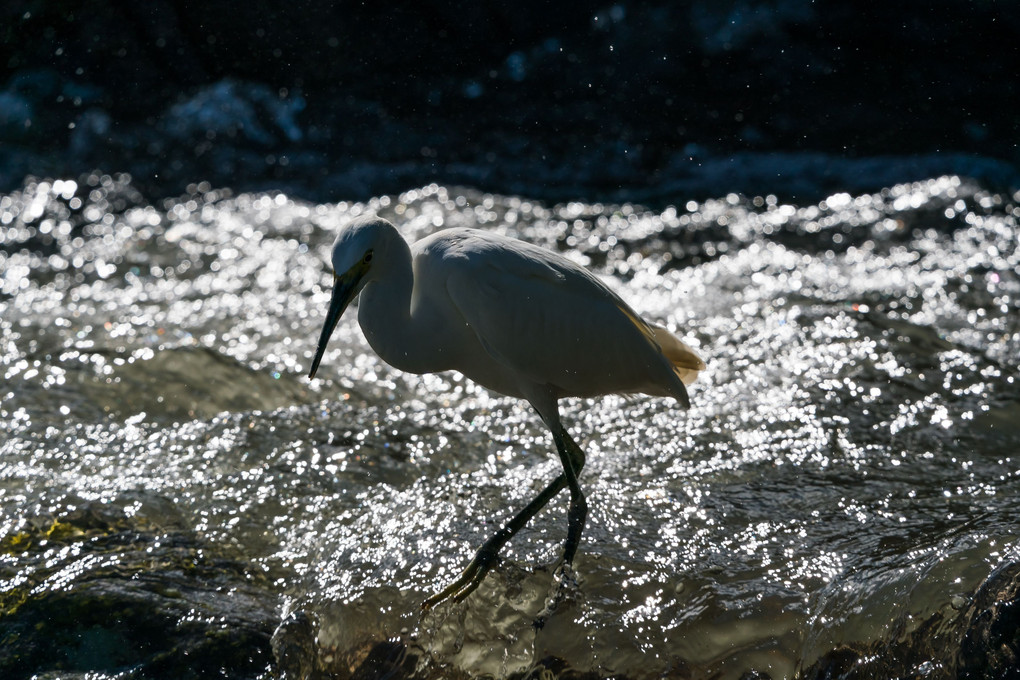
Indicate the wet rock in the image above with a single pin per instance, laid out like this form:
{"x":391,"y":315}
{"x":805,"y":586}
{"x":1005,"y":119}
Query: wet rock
{"x":110,"y":593}
{"x":984,"y":642}
{"x":164,"y":382}
{"x":991,"y":647}
{"x":15,"y":113}
{"x":839,"y":663}
{"x":250,"y":111}
{"x":294,"y":647}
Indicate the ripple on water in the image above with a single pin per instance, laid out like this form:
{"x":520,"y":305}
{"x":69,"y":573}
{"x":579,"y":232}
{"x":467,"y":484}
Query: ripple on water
{"x":842,"y":491}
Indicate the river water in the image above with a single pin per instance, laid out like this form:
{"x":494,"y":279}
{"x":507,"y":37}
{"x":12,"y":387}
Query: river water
{"x":840,"y":501}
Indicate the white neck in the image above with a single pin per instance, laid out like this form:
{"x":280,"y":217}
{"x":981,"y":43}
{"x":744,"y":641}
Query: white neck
{"x":384,"y":313}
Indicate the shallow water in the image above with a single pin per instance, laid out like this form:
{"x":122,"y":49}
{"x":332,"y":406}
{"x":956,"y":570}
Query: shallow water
{"x":844,"y":489}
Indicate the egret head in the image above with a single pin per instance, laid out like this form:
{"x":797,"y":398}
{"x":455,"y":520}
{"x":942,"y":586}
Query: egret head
{"x":359,"y":244}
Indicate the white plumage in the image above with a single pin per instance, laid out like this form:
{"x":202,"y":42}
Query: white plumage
{"x":515,"y":318}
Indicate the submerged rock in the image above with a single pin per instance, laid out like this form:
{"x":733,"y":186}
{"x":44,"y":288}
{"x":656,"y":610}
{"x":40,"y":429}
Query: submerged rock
{"x":983,"y":642}
{"x":294,"y":647}
{"x":108,"y":592}
{"x":991,"y":646}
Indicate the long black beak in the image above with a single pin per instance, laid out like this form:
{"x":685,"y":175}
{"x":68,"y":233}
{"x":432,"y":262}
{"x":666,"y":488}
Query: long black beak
{"x":344,"y":289}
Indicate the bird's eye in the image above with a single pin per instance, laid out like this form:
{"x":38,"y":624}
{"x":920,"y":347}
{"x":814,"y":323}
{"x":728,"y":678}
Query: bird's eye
{"x":367,"y":258}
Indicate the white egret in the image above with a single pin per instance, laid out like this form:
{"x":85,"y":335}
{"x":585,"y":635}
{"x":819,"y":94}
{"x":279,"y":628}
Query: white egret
{"x":513,"y":317}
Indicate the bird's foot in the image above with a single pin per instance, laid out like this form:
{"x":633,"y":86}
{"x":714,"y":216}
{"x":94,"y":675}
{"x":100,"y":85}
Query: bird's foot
{"x":563,"y":588}
{"x":564,"y":576}
{"x":466,"y":584}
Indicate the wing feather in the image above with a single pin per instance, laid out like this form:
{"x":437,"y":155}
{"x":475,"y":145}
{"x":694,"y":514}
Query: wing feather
{"x":551,"y":321}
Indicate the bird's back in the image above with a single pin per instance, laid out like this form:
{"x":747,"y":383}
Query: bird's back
{"x":520,"y":314}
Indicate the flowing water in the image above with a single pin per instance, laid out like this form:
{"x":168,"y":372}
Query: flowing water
{"x":840,"y":501}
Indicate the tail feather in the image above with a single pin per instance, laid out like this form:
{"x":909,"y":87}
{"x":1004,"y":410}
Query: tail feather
{"x":686,"y":364}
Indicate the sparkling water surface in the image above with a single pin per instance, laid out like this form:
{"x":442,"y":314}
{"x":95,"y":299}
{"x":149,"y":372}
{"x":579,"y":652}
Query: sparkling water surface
{"x":846,"y":479}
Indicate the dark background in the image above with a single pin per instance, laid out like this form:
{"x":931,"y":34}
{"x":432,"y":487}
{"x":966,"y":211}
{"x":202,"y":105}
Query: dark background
{"x":554,"y":100}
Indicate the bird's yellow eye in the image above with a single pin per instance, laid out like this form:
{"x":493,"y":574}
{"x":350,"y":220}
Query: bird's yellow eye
{"x":367,"y":258}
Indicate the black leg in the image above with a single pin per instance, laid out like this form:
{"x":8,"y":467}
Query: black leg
{"x":572,"y":457}
{"x":472,"y":577}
